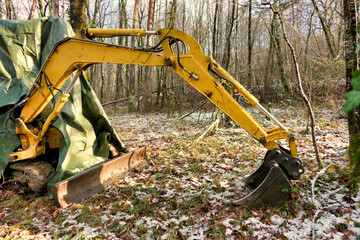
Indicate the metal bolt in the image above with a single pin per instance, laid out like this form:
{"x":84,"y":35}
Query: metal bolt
{"x":277,"y":152}
{"x":297,"y":163}
{"x":292,"y":138}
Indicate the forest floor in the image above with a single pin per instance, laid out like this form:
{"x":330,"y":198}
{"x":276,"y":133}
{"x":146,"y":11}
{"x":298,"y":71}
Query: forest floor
{"x":181,"y":193}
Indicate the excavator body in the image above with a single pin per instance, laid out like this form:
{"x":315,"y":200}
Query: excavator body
{"x":270,"y":185}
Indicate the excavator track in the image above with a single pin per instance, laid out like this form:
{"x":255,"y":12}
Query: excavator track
{"x":81,"y":186}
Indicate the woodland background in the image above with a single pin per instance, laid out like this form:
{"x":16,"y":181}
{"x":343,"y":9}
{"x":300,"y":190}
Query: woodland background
{"x":244,"y":36}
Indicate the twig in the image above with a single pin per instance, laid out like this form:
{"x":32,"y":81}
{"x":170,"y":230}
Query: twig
{"x":215,"y":124}
{"x":199,"y":106}
{"x":315,"y":202}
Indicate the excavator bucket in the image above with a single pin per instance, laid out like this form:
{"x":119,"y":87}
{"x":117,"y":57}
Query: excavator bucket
{"x":79,"y":187}
{"x":270,"y":184}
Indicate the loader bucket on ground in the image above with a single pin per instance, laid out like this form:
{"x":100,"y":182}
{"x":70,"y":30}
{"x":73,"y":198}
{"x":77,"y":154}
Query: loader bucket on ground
{"x":79,"y":187}
{"x":270,"y":184}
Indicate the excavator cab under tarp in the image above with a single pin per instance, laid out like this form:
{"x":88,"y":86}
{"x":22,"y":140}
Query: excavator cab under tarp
{"x":86,"y":132}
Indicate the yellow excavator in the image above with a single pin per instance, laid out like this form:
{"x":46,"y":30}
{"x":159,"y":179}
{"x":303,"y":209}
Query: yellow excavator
{"x":269,"y":185}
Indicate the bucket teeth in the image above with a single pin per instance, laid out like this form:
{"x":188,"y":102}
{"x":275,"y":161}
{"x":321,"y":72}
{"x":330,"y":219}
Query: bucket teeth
{"x":270,"y":184}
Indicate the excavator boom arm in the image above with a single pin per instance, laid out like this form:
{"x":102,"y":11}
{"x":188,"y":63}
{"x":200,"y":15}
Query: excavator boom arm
{"x":200,"y":71}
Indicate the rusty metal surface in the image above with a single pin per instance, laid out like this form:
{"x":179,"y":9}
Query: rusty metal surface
{"x":81,"y":186}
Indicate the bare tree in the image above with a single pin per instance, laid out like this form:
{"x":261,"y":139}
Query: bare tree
{"x":277,"y":44}
{"x":56,"y":8}
{"x":131,"y":92}
{"x":120,"y":68}
{"x":249,"y":47}
{"x":150,"y":23}
{"x":77,"y":16}
{"x":8,"y":5}
{"x":32,"y":9}
{"x":229,"y":31}
{"x":215,"y":29}
{"x":42,"y":9}
{"x":325,"y":29}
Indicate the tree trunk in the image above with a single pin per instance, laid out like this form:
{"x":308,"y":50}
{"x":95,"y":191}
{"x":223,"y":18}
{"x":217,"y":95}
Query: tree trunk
{"x":77,"y":17}
{"x":120,"y":67}
{"x":32,"y":9}
{"x":215,"y":30}
{"x":1,"y":8}
{"x":277,"y":44}
{"x":249,"y":73}
{"x":150,"y":22}
{"x":8,"y":9}
{"x":41,"y":8}
{"x":172,"y":17}
{"x":269,"y":67}
{"x":149,"y":74}
{"x":230,"y":26}
{"x":325,"y":29}
{"x":351,"y":59}
{"x":131,"y":93}
{"x":56,"y":8}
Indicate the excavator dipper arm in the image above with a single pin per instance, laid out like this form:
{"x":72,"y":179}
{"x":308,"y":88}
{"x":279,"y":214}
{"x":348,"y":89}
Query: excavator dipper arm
{"x":185,"y":56}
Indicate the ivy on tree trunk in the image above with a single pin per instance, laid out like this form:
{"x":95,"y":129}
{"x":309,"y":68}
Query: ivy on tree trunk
{"x":351,"y":41}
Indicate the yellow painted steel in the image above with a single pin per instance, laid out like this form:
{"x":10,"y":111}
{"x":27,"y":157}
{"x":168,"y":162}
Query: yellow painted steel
{"x":34,"y":142}
{"x":72,"y":54}
{"x":92,"y":32}
{"x":75,"y":54}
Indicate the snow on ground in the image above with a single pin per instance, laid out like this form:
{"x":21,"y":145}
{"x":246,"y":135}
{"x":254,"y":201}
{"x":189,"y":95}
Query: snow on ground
{"x":182,"y":193}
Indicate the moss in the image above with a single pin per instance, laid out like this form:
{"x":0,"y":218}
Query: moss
{"x":354,"y":154}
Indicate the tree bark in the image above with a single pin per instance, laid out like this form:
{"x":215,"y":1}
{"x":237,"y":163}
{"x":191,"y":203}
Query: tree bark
{"x":230,"y":26}
{"x":131,"y":92}
{"x":8,"y":9}
{"x":149,"y":70}
{"x":1,"y":8}
{"x":56,"y":8}
{"x":173,"y":11}
{"x":77,"y":17}
{"x":32,"y":9}
{"x":41,"y":8}
{"x":215,"y":30}
{"x":249,"y":73}
{"x":269,"y":63}
{"x":277,"y":44}
{"x":120,"y":67}
{"x":325,"y":29}
{"x":352,"y":64}
{"x":150,"y":22}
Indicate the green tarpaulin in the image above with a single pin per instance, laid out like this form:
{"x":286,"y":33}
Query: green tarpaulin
{"x":86,"y":129}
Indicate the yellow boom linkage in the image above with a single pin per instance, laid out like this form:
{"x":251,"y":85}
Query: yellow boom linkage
{"x":269,"y":185}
